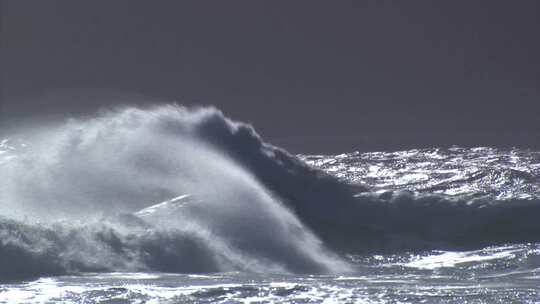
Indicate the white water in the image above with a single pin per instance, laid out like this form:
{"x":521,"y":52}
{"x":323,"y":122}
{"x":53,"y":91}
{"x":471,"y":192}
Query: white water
{"x":68,"y":178}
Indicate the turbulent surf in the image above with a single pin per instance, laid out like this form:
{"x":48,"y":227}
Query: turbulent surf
{"x":183,"y":204}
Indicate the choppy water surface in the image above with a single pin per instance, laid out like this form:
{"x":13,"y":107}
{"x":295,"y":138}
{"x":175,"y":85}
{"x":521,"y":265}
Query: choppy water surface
{"x":174,"y":205}
{"x":463,"y":172}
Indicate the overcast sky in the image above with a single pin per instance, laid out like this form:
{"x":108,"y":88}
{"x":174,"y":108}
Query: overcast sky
{"x":312,"y":76}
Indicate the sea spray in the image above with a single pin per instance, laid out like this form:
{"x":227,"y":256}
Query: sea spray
{"x":112,"y":166}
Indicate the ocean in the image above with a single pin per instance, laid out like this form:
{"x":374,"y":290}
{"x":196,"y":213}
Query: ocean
{"x":183,"y":205}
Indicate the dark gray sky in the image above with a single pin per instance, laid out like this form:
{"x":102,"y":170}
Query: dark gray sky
{"x":312,"y":76}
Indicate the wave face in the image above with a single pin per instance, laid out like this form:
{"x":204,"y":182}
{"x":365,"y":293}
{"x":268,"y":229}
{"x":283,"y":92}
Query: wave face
{"x":183,"y":190}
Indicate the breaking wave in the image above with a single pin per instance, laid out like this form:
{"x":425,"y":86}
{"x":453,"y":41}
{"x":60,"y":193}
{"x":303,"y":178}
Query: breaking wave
{"x":86,"y":196}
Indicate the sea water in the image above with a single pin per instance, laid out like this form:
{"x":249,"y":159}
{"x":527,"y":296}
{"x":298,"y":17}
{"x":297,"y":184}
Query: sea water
{"x":178,"y":205}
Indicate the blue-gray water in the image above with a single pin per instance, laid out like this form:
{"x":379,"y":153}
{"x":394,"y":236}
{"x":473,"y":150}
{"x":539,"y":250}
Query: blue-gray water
{"x":169,"y":205}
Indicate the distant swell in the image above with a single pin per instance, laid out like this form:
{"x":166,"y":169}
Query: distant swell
{"x":70,"y":197}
